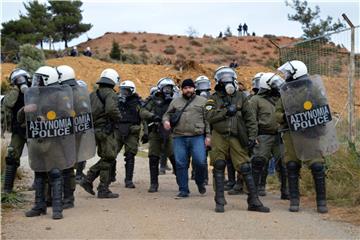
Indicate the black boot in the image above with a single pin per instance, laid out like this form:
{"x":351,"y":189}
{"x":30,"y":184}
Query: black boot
{"x":283,"y":182}
{"x":80,"y":166}
{"x":254,"y":203}
{"x":293,"y":169}
{"x":10,"y":174}
{"x":238,"y":187}
{"x":318,"y":172}
{"x":231,"y":176}
{"x":263,"y":177}
{"x":104,"y":192}
{"x":87,"y":182}
{"x":69,"y":188}
{"x":40,"y":204}
{"x":113,"y":172}
{"x":257,"y":167}
{"x":129,"y":170}
{"x":173,"y":164}
{"x":56,"y":181}
{"x":154,"y":173}
{"x":219,"y":177}
{"x":48,"y":192}
{"x":163,"y":163}
{"x":105,"y":179}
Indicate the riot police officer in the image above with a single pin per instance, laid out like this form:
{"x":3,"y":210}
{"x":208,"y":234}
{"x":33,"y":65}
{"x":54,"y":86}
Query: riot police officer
{"x":106,"y":114}
{"x":202,"y":88}
{"x":128,"y":129}
{"x":234,"y":131}
{"x":13,"y":101}
{"x":84,"y":134}
{"x":51,"y":141}
{"x":159,"y":139}
{"x":307,"y":140}
{"x":268,"y":138}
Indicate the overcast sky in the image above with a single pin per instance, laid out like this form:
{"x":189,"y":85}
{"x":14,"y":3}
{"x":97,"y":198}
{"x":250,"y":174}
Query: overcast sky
{"x":207,"y":17}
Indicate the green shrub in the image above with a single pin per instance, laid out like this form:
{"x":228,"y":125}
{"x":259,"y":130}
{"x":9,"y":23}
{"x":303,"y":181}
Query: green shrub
{"x":31,"y":58}
{"x":170,"y":50}
{"x":116,"y":51}
{"x":195,"y":43}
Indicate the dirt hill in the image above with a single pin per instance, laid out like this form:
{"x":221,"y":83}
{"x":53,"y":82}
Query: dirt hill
{"x":146,"y":76}
{"x":155,"y":48}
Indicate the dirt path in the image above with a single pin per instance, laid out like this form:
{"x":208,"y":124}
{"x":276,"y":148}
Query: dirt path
{"x":138,"y":214}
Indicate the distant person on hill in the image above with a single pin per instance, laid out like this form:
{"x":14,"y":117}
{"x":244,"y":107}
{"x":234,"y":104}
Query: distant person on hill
{"x":234,"y":64}
{"x":74,"y":52}
{"x":88,"y":52}
{"x":245,"y":28}
{"x":253,"y":34}
{"x":220,"y":35}
{"x":240,"y":29}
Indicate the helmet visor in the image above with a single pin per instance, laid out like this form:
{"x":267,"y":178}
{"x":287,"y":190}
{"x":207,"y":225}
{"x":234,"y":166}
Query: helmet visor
{"x":202,"y":85}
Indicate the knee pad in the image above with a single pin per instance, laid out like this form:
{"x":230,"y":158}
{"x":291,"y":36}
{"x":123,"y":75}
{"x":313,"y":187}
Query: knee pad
{"x":245,"y":168}
{"x":55,"y":173}
{"x":293,"y":166}
{"x":317,"y":167}
{"x":258,"y":163}
{"x":220,"y":165}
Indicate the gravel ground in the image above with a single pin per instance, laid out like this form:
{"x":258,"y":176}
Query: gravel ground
{"x":139,"y":214}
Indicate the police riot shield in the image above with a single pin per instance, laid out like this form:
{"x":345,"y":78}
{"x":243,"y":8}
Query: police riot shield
{"x":309,"y":118}
{"x":83,"y":124}
{"x":49,"y":126}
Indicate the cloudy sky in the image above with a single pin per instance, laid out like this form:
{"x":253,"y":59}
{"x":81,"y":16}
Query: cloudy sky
{"x":207,"y":17}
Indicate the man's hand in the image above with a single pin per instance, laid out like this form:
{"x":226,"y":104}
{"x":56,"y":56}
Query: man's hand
{"x":167,"y":125}
{"x":30,"y":108}
{"x":208,"y":142}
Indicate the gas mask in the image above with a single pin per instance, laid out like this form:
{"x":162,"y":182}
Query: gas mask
{"x":21,"y":82}
{"x":124,"y":93}
{"x":204,"y":94}
{"x":168,"y":92}
{"x":230,"y":88}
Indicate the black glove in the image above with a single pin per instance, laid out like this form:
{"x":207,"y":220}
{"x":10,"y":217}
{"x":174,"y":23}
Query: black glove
{"x":156,"y":118}
{"x":251,"y":144}
{"x":145,"y":139}
{"x":231,"y":110}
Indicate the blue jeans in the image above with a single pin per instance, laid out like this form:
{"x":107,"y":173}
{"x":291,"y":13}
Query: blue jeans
{"x":184,"y":148}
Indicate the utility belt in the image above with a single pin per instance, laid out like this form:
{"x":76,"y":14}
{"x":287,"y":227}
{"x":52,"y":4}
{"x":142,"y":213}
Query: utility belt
{"x":265,"y":132}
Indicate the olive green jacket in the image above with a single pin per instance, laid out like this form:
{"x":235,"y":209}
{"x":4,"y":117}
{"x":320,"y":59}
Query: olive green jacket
{"x":243,"y":125}
{"x":264,"y":108}
{"x":192,"y":121}
{"x":104,"y":110}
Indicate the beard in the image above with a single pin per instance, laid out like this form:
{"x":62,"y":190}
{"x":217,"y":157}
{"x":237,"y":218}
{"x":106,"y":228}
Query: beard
{"x":188,"y":95}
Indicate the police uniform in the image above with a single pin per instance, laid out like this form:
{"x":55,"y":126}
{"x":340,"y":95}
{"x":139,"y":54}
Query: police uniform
{"x":127,"y":134}
{"x":160,"y":140}
{"x":106,"y":114}
{"x":233,"y":125}
{"x":13,"y":102}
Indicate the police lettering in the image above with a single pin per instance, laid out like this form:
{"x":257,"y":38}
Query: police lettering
{"x":49,"y":129}
{"x":82,"y":122}
{"x":311,"y":118}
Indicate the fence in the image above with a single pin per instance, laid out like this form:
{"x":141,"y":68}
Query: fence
{"x":336,"y":57}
